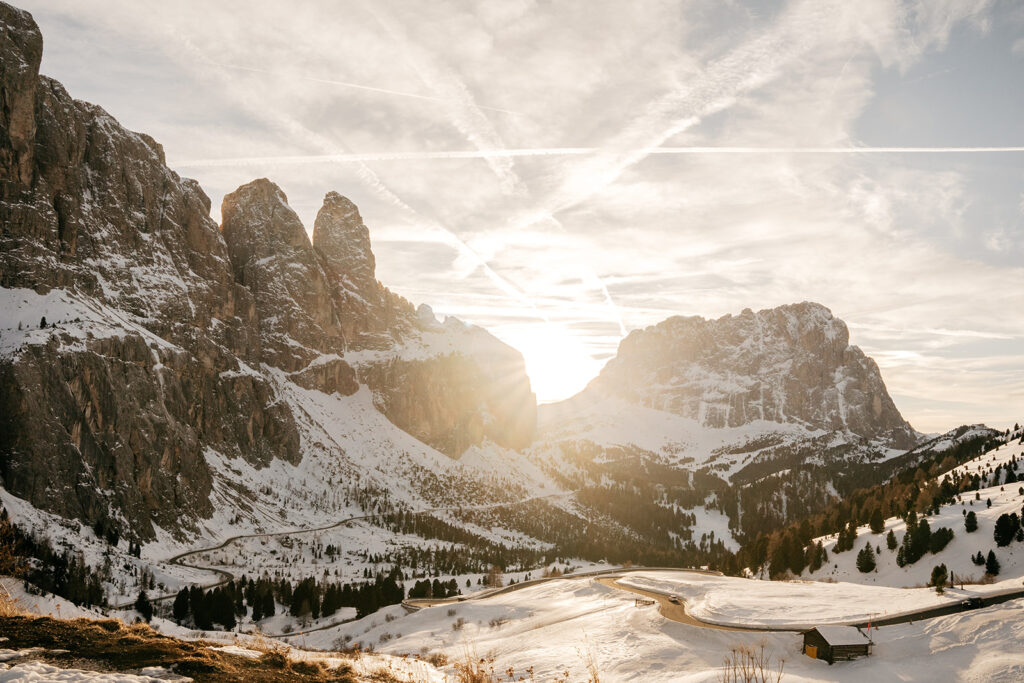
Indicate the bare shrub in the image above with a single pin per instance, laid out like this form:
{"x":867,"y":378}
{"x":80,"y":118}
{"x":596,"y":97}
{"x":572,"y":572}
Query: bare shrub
{"x":473,"y":669}
{"x":751,"y":664}
{"x":498,"y":622}
{"x":451,"y":611}
{"x":458,"y":624}
{"x":436,"y":659}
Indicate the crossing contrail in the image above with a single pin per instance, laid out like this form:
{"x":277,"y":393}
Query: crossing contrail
{"x":571,"y":151}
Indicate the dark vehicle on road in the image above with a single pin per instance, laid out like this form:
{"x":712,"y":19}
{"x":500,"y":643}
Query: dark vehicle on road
{"x":674,"y":599}
{"x":972,"y":603}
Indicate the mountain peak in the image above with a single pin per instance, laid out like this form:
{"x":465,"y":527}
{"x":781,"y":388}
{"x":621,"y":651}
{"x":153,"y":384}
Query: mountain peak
{"x":257,"y":223}
{"x":340,"y":235}
{"x":792,"y":363}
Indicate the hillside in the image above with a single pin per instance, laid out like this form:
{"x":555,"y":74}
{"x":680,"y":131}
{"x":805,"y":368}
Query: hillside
{"x":762,"y":417}
{"x":1006,"y":498}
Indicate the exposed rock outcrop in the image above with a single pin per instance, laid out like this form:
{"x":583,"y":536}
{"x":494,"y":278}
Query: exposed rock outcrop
{"x":793,"y":363}
{"x":171,"y":338}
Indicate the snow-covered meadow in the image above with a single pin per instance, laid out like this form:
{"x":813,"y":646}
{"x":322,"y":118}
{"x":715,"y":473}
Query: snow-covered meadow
{"x":569,"y":624}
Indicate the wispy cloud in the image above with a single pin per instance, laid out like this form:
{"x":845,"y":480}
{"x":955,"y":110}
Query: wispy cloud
{"x":569,"y":170}
{"x":573,"y":151}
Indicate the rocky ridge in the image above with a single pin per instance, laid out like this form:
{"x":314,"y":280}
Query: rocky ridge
{"x":172,"y":338}
{"x":791,"y":364}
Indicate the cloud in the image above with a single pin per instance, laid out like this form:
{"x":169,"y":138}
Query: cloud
{"x":662,"y":158}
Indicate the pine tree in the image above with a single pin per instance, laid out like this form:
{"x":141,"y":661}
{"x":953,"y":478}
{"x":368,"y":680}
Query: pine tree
{"x":1005,"y":530}
{"x":992,"y":564}
{"x":877,"y":522}
{"x":971,"y":522}
{"x":866,"y":559}
{"x":181,"y":605}
{"x":940,"y":539}
{"x":939,"y":577}
{"x":224,"y":608}
{"x":268,"y":603}
{"x":143,"y":606}
{"x":890,"y":540}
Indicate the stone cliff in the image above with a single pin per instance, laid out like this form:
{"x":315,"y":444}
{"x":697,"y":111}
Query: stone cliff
{"x":169,"y":335}
{"x":793,"y":364}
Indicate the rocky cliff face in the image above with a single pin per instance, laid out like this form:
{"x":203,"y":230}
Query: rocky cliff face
{"x":170,"y":338}
{"x":788,"y":364}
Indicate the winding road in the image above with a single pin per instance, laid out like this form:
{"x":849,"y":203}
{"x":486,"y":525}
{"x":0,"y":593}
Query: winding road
{"x":676,"y":611}
{"x":226,"y":576}
{"x":670,"y":610}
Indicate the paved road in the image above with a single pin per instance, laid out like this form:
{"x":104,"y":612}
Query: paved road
{"x":677,"y":612}
{"x":669,"y":610}
{"x":226,"y":576}
{"x":954,"y":608}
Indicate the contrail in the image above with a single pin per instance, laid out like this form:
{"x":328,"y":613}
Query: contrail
{"x":571,"y":151}
{"x":357,"y":86}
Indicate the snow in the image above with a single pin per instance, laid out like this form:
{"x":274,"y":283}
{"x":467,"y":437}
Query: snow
{"x":842,"y":635}
{"x":29,"y":672}
{"x":562,"y":625}
{"x":714,"y":522}
{"x":72,"y":320}
{"x":44,"y":605}
{"x":791,"y":605}
{"x":239,"y":651}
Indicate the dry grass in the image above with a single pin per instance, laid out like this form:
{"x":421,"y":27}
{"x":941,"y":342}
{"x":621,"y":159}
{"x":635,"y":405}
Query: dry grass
{"x":9,"y":605}
{"x":110,"y":645}
{"x":751,"y":664}
{"x":589,"y":662}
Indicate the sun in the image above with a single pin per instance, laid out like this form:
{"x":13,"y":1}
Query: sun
{"x":558,"y":363}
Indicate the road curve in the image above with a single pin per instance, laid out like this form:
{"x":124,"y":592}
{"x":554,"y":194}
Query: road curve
{"x":227,"y":576}
{"x":670,"y":610}
{"x":677,"y":612}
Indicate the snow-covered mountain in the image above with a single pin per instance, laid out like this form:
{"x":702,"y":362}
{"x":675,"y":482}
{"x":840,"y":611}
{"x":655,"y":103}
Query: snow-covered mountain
{"x":999,"y":493}
{"x":792,"y":364}
{"x":148,"y":356}
{"x":767,"y":415}
{"x":175,"y":379}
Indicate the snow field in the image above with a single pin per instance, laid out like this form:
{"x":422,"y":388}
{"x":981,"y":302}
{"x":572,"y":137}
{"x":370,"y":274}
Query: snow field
{"x":562,"y":625}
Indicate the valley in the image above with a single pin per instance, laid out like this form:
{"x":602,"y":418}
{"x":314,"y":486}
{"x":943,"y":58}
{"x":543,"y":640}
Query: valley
{"x":227,"y":444}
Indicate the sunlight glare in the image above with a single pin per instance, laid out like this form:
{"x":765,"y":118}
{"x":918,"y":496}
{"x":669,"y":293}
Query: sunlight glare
{"x":558,"y":363}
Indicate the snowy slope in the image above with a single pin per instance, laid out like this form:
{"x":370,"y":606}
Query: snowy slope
{"x":564,"y":625}
{"x":797,"y":605}
{"x":1006,"y":499}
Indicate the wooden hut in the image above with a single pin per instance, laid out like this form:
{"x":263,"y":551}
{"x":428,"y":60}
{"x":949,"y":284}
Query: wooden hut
{"x":836,"y":643}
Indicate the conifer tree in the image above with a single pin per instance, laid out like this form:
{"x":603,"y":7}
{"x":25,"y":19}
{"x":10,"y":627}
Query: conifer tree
{"x":866,"y":559}
{"x":1005,"y":530}
{"x":877,"y":522}
{"x":971,"y":522}
{"x":992,"y":564}
{"x":143,"y":606}
{"x":181,"y":605}
{"x":939,"y":577}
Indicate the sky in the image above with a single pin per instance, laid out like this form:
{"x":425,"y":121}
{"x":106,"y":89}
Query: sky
{"x":564,"y":172}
